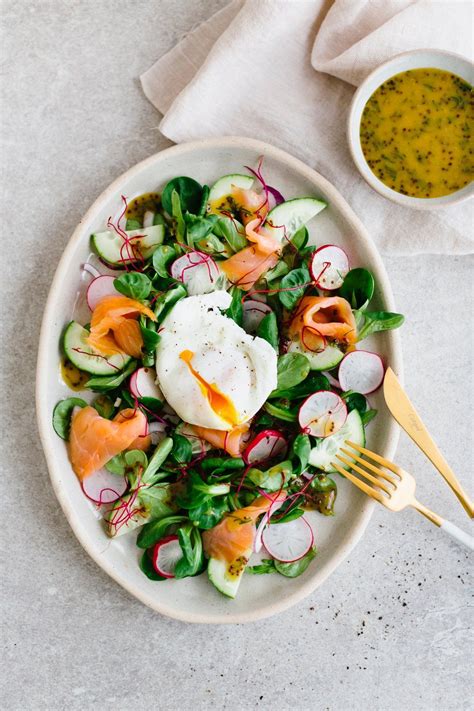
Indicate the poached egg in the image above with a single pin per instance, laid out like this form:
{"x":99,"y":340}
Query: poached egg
{"x":211,"y":372}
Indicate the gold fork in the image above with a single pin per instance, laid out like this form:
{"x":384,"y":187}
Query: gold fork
{"x":395,"y":491}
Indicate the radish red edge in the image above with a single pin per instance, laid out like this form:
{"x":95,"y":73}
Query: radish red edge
{"x":308,"y":532}
{"x":100,"y":287}
{"x":166,"y":541}
{"x":274,"y":445}
{"x":335,"y":412}
{"x":277,"y":501}
{"x":142,"y":384}
{"x":104,"y":487}
{"x":341,"y":267}
{"x":376,"y":370}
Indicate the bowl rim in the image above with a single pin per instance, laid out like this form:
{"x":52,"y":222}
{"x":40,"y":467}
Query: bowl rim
{"x":370,"y":178}
{"x":44,"y":416}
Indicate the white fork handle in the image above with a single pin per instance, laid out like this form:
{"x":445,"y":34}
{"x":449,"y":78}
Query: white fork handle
{"x":459,"y":535}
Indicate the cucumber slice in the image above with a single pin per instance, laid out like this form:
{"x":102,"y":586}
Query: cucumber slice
{"x":80,"y":353}
{"x":292,"y":214}
{"x":327,"y":359}
{"x":108,"y":244}
{"x":223,"y":187}
{"x":218,"y":572}
{"x":326,"y":449}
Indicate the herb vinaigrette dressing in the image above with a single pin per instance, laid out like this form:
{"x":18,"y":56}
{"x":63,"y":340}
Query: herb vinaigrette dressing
{"x":416,"y":133}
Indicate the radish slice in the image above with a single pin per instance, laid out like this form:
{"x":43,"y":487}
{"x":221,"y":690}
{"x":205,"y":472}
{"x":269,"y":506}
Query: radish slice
{"x":253,"y":313}
{"x":361,"y":371}
{"x":332,"y":380}
{"x":328,"y":267}
{"x":103,"y":487}
{"x":166,"y":554}
{"x":322,"y":414}
{"x":290,"y":541}
{"x":266,"y":445}
{"x":99,"y":288}
{"x":142,"y":384}
{"x":91,"y":269}
{"x":198,"y":271}
{"x":274,"y":506}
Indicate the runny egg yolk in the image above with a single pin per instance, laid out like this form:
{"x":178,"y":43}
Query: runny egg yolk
{"x":220,"y":403}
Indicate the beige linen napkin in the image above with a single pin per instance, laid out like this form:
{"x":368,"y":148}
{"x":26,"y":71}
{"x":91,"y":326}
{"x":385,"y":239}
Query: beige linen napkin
{"x":284,"y":71}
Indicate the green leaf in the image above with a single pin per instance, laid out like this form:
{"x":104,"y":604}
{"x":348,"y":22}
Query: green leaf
{"x":100,"y":384}
{"x":104,"y":406}
{"x":161,"y":453}
{"x":354,"y":401}
{"x":150,"y":338}
{"x":177,"y":212}
{"x":211,"y":463}
{"x":232,"y":231}
{"x":295,"y":283}
{"x":208,"y":514}
{"x":189,"y":192}
{"x":301,"y":449}
{"x":235,"y":310}
{"x":266,"y":566}
{"x":133,"y":224}
{"x":313,"y":383}
{"x":281,"y":412}
{"x":274,"y":479}
{"x":300,"y":238}
{"x":368,"y":416}
{"x":135,"y":285}
{"x":213,"y":245}
{"x":62,"y":415}
{"x":279,"y":270}
{"x":358,"y":287}
{"x":182,"y":451}
{"x":199,"y":492}
{"x":292,"y":570}
{"x":146,"y":566}
{"x":166,"y":301}
{"x":292,"y":369}
{"x":153,"y":531}
{"x":192,"y":561}
{"x":199,"y":227}
{"x":157,"y":500}
{"x":162,"y":257}
{"x":379,"y":321}
{"x":268,"y":329}
{"x":321,"y":494}
{"x":204,"y":199}
{"x":293,"y":513}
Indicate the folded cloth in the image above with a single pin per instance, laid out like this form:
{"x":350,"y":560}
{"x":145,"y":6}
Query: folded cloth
{"x":284,"y":71}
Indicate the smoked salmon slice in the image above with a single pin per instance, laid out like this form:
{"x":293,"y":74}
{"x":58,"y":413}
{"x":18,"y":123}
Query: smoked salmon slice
{"x":232,"y":441}
{"x":114,"y":328}
{"x":331,"y":316}
{"x":233,"y":537}
{"x":246,"y":267}
{"x":94,"y":440}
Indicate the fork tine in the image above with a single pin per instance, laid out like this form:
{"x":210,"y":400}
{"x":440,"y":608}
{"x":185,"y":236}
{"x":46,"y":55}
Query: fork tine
{"x":376,"y":457}
{"x":360,"y":484}
{"x":365,"y":474}
{"x":370,"y":466}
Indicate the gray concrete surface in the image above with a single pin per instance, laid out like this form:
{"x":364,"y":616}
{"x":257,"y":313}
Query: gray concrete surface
{"x":390,"y":630}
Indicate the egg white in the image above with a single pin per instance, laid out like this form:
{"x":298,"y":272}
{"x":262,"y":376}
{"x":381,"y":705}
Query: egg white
{"x":243,"y":367}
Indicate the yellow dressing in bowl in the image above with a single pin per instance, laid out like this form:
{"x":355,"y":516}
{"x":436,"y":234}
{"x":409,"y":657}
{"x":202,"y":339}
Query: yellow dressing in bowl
{"x":416,"y":133}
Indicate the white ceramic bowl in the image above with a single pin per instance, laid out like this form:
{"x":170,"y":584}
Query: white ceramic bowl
{"x":416,"y":59}
{"x":194,"y":599}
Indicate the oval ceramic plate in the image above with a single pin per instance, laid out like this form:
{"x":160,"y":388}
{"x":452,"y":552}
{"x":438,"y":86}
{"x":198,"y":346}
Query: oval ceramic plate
{"x":195,"y":599}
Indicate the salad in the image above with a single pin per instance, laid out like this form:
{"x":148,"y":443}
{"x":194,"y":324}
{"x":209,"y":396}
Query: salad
{"x":221,"y":374}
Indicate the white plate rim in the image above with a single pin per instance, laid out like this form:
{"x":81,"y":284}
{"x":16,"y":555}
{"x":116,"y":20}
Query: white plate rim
{"x":44,"y":416}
